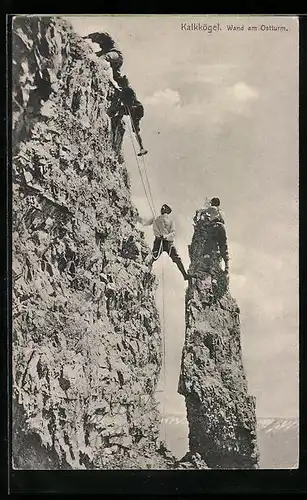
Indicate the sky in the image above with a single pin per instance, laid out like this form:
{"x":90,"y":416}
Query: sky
{"x":221,"y":119}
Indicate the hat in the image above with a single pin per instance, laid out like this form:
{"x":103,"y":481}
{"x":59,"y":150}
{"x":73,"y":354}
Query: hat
{"x":167,"y":208}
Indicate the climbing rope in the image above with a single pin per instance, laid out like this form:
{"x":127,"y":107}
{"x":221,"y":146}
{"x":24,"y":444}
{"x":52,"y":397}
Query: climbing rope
{"x":147,"y":180}
{"x":164,"y":354}
{"x":148,"y":183}
{"x":151,"y":205}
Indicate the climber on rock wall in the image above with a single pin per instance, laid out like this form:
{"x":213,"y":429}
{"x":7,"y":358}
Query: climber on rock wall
{"x":126,"y":102}
{"x":134,"y":108}
{"x":110,"y":53}
{"x":164,"y":231}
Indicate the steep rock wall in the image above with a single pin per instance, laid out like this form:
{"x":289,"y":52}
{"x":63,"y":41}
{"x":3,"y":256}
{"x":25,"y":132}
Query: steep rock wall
{"x":220,"y":412}
{"x":86,"y":333}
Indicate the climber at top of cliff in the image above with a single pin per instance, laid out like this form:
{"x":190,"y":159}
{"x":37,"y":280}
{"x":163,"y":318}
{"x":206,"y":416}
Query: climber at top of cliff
{"x":211,"y":213}
{"x":212,"y":218}
{"x":216,"y":202}
{"x":110,"y":53}
{"x":164,"y":232}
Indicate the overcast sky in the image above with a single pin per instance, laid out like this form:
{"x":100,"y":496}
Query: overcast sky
{"x":221,"y":119}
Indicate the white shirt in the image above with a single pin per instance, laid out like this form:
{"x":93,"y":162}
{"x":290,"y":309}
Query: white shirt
{"x":163,"y":225}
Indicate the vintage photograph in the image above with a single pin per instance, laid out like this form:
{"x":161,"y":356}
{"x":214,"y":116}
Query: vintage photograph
{"x":155,"y":288}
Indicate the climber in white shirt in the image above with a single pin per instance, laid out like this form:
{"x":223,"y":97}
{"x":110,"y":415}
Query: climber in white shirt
{"x":164,"y":231}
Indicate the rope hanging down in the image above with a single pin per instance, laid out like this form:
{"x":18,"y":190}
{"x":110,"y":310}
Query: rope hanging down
{"x":148,"y":195}
{"x":148,"y":183}
{"x":164,"y":353}
{"x":151,"y":204}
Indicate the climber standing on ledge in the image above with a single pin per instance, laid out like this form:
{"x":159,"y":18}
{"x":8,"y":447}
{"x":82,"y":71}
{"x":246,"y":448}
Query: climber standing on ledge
{"x":164,"y":231}
{"x":212,"y":216}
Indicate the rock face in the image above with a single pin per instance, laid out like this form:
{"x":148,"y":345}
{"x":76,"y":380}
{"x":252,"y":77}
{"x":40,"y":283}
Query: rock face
{"x":87,"y":346}
{"x":220,"y":413}
{"x":190,"y":461}
{"x":86,"y":332}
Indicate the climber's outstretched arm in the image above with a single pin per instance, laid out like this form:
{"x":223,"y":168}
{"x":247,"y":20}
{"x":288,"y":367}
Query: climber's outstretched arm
{"x":145,"y":222}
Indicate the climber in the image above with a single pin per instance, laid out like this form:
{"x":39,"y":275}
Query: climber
{"x":211,"y":212}
{"x":211,"y":216}
{"x":128,"y":103}
{"x":134,"y":108}
{"x":219,"y":231}
{"x":164,"y":231}
{"x":110,"y":53}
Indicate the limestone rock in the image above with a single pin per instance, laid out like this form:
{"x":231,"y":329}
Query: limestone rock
{"x":86,"y":360}
{"x":220,"y":412}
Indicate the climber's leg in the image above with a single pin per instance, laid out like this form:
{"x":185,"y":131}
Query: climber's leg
{"x":139,"y":139}
{"x":116,"y":114}
{"x":176,"y":259}
{"x":219,"y":235}
{"x":226,"y":260}
{"x":142,"y":150}
{"x":223,"y":246}
{"x":137,"y":112}
{"x":118,"y":134}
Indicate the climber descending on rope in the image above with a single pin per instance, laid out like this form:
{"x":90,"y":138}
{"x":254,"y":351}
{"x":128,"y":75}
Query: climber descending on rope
{"x":164,"y":231}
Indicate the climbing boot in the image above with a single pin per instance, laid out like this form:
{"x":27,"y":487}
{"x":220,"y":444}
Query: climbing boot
{"x":185,"y":275}
{"x":143,"y":152}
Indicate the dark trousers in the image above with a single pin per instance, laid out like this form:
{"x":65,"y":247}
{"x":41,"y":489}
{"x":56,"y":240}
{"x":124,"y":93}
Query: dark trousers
{"x":136,"y":113}
{"x":161,"y":245}
{"x":220,"y":236}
